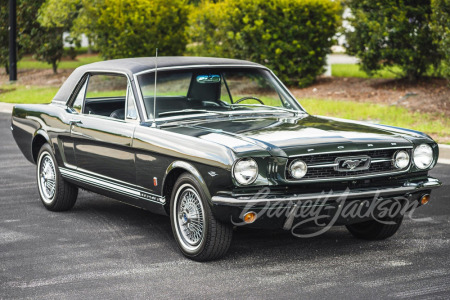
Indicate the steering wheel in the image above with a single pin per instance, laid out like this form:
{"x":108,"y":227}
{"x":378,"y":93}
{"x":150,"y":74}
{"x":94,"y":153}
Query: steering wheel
{"x":248,"y":98}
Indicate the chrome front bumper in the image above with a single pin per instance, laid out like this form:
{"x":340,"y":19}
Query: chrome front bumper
{"x":408,"y":188}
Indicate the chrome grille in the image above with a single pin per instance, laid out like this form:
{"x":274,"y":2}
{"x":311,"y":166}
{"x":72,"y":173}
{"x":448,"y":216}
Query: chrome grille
{"x":322,"y":166}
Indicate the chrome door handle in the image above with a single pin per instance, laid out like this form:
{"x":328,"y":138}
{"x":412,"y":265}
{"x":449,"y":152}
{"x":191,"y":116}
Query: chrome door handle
{"x":73,"y":122}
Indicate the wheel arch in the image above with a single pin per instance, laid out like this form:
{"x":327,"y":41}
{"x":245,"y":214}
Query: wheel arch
{"x":174,"y":171}
{"x":39,"y":139}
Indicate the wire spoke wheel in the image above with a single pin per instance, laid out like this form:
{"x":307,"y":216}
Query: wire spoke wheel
{"x":198,"y":234}
{"x":190,"y":219}
{"x":47,"y":178}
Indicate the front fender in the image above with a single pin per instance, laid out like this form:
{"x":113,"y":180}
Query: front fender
{"x":178,"y":164}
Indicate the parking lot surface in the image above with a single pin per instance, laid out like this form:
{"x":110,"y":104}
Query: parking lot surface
{"x":105,"y":249}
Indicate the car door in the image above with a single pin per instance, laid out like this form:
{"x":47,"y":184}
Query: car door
{"x":102,"y":131}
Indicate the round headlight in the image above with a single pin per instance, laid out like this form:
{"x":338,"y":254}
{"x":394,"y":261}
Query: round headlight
{"x":401,"y":159}
{"x":245,"y":171}
{"x":423,"y":156}
{"x":298,"y":169}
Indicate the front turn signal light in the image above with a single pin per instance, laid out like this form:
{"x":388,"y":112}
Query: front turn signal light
{"x":425,"y":199}
{"x":250,"y":217}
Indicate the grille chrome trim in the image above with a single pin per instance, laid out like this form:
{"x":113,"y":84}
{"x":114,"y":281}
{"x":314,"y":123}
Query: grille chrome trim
{"x":328,"y":161}
{"x":374,"y":161}
{"x":347,"y":178}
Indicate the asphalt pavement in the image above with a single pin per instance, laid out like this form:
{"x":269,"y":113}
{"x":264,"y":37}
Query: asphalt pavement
{"x":104,"y":249}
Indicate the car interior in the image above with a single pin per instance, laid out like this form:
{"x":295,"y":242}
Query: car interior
{"x":113,"y":107}
{"x":199,"y":96}
{"x":105,"y":95}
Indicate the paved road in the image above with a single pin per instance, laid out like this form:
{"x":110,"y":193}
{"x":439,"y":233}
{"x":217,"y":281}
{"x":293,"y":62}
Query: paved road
{"x":105,"y":249}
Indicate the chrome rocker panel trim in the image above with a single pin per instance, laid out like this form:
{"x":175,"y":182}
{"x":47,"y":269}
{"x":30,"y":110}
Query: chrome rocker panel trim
{"x":111,"y":186}
{"x":408,"y":188}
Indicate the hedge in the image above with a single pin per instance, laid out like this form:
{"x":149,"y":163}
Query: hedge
{"x":130,"y":28}
{"x":292,"y":37}
{"x":393,"y":32}
{"x":441,"y":28}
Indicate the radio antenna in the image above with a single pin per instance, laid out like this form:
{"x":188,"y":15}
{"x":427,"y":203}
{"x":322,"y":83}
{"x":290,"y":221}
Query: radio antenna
{"x":154,"y":95}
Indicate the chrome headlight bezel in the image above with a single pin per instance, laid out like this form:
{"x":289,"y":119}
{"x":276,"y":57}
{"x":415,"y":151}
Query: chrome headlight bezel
{"x":405,"y":155}
{"x":423,"y":151}
{"x":239,"y":177}
{"x":299,"y":163}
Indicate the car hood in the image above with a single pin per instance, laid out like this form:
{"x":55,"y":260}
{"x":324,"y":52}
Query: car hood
{"x":295,"y":135}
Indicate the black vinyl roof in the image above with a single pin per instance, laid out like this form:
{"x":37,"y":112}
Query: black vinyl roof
{"x":139,"y":64}
{"x":131,"y":66}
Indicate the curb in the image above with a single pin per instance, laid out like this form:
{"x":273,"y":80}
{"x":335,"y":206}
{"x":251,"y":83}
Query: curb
{"x":444,"y":154}
{"x":444,"y":150}
{"x":6,"y":107}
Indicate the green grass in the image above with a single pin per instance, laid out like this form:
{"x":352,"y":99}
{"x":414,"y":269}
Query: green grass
{"x":30,"y":63}
{"x":27,"y":94}
{"x":352,"y":70}
{"x":432,"y":124}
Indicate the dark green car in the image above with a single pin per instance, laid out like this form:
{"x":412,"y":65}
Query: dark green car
{"x":216,"y":143}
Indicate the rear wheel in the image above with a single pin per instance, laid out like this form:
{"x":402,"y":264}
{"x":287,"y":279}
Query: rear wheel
{"x":198,"y":234}
{"x":56,"y":194}
{"x":374,"y":230}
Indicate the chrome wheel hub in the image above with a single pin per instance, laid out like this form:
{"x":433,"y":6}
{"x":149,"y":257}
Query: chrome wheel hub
{"x":47,"y":178}
{"x":190,"y":218}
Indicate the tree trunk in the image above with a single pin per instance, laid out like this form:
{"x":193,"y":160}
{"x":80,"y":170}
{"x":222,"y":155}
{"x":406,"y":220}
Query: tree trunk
{"x":7,"y":68}
{"x":55,"y":67}
{"x":89,"y":49}
{"x":412,"y":76}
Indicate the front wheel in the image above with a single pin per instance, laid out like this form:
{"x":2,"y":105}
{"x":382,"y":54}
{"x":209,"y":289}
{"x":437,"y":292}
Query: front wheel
{"x":198,"y":234}
{"x":56,"y":194}
{"x":375,"y":230}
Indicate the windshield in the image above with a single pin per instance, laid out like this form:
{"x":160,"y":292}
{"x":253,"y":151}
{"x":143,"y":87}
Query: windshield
{"x":214,"y":90}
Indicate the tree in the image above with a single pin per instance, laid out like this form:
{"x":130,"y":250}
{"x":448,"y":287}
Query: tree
{"x":4,"y":37}
{"x":60,"y":13}
{"x":125,"y":28}
{"x":69,"y":15}
{"x":393,"y":32}
{"x":441,"y":28}
{"x":292,"y":37}
{"x":50,"y":48}
{"x":45,"y":43}
{"x":54,"y":18}
{"x":26,"y":23}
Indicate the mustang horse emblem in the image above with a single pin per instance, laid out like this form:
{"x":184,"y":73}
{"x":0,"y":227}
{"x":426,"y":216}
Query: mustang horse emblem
{"x":352,"y":164}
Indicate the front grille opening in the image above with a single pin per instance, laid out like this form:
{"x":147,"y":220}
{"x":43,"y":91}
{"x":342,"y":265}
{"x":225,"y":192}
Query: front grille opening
{"x":384,"y":167}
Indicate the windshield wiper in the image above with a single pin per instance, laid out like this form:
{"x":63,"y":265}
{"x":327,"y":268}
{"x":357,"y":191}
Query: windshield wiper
{"x":295,"y":112}
{"x":190,"y":111}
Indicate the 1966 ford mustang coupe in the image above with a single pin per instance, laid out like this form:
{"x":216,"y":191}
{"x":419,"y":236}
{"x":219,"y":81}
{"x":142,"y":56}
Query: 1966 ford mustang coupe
{"x":215,"y":142}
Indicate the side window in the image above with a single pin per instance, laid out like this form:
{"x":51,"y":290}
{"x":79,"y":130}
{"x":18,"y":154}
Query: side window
{"x":78,"y":103}
{"x":104,"y":95}
{"x":131,"y":104}
{"x":106,"y":86}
